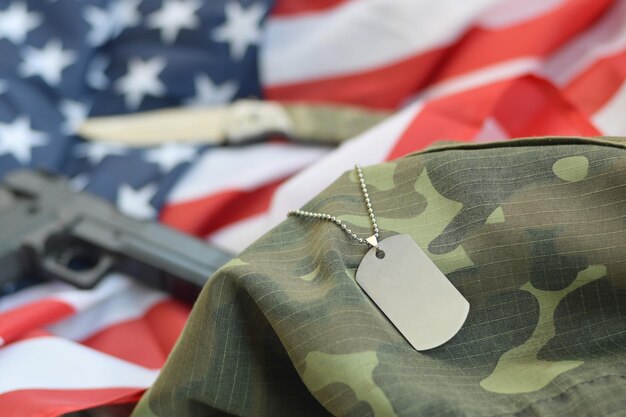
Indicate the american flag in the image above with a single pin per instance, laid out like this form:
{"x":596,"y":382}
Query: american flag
{"x":475,"y":70}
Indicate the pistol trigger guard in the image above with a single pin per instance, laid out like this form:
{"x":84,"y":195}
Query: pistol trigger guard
{"x":84,"y":279}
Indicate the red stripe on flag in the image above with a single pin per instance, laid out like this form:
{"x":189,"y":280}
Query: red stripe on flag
{"x":388,"y":86}
{"x":536,"y":38}
{"x":593,"y":88}
{"x":458,"y":117}
{"x":24,"y":319}
{"x":156,"y":332}
{"x":294,"y":7}
{"x":534,"y":107}
{"x":384,"y":88}
{"x":49,"y":403}
{"x":526,"y":106}
{"x":203,"y":216}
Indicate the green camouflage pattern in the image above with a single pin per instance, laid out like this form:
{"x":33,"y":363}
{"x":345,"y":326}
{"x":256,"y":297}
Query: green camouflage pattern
{"x":532,"y":232}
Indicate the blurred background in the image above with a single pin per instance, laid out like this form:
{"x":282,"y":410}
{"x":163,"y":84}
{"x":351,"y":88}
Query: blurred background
{"x":217,"y":117}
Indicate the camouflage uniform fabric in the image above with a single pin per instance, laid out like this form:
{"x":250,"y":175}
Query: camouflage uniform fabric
{"x":532,"y":232}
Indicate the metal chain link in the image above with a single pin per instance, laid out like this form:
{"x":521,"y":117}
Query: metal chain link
{"x":372,"y":241}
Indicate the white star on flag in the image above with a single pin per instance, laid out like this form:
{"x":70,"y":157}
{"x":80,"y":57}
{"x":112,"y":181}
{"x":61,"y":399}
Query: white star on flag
{"x":95,"y":152}
{"x":74,"y":113}
{"x":209,"y":94}
{"x":110,"y":22}
{"x":18,"y":139}
{"x":16,"y":21}
{"x":136,"y":202}
{"x":47,"y":62}
{"x":124,"y":14}
{"x":241,"y":29}
{"x":141,"y":79}
{"x":100,"y":23}
{"x":174,"y":16}
{"x":170,"y":155}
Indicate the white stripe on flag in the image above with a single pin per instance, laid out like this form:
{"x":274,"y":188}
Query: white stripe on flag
{"x":243,"y":168}
{"x":110,"y":286}
{"x":54,"y":363}
{"x":605,"y":38}
{"x":132,"y":303}
{"x":364,"y":34}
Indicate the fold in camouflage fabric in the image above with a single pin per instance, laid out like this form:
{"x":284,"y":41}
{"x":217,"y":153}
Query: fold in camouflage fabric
{"x":532,"y":232}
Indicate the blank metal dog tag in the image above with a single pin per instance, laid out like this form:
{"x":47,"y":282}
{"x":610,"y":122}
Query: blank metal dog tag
{"x":412,"y":292}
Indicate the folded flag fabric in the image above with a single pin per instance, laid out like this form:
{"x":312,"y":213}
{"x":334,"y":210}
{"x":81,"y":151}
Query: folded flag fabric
{"x":479,"y":71}
{"x":64,"y":349}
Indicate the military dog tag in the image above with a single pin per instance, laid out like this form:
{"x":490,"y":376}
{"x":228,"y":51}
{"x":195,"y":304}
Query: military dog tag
{"x":412,"y":292}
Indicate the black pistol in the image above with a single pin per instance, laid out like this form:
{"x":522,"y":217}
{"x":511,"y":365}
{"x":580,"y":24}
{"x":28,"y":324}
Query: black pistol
{"x":48,"y":230}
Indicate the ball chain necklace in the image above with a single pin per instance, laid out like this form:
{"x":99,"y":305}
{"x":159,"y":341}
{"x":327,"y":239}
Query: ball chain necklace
{"x":403,"y":282}
{"x":371,"y":241}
